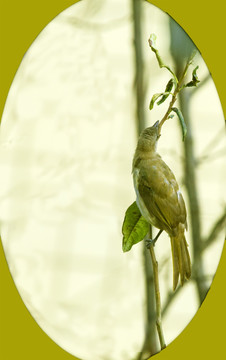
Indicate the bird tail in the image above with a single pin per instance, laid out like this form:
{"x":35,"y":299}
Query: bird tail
{"x":181,"y":258}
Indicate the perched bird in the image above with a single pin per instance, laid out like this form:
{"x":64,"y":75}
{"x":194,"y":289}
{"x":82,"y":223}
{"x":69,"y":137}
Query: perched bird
{"x":160,"y":200}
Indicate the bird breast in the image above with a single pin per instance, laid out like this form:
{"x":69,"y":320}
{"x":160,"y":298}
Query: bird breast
{"x":140,"y":203}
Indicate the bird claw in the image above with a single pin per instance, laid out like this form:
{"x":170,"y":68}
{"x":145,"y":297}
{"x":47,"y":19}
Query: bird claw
{"x":149,"y":242}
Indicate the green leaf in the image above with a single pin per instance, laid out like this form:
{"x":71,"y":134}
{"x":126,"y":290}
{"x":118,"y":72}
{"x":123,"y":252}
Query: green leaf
{"x":152,"y":44}
{"x":195,"y":80}
{"x":182,"y":122}
{"x":167,"y":91}
{"x":153,"y":100}
{"x":134,"y":227}
{"x":194,"y":75}
{"x":189,"y":84}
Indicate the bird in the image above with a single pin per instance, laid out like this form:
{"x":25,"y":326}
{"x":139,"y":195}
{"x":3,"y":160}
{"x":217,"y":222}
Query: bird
{"x":160,"y":200}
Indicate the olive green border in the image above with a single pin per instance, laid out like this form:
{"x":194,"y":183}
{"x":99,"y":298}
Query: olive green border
{"x":20,"y":23}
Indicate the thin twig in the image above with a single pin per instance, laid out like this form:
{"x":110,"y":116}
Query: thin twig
{"x":210,"y":157}
{"x":175,"y":93}
{"x":157,"y":298}
{"x":211,"y":145}
{"x":171,"y":296}
{"x":217,"y":227}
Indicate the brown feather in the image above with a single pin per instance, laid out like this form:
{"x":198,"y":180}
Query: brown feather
{"x":160,"y":200}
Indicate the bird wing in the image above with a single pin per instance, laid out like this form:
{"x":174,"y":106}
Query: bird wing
{"x":160,"y":193}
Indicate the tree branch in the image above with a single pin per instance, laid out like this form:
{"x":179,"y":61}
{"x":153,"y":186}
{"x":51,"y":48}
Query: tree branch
{"x":178,"y":83}
{"x":170,"y":298}
{"x":150,"y":345}
{"x":217,"y":227}
{"x":157,"y":298}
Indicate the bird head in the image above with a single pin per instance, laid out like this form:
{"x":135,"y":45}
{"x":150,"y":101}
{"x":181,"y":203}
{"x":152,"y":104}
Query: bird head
{"x":149,"y":137}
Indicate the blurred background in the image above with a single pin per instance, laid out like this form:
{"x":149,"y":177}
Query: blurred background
{"x":68,"y":134}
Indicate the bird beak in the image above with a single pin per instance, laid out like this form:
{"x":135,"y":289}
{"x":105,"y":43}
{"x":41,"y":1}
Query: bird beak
{"x":156,"y":124}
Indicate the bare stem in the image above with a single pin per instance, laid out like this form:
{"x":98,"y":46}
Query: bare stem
{"x":217,"y":227}
{"x":157,"y":298}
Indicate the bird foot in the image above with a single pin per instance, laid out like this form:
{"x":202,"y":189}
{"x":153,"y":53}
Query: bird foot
{"x":150,"y":242}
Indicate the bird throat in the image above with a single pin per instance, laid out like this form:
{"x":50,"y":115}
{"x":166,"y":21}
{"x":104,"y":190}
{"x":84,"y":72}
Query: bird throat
{"x":140,"y":203}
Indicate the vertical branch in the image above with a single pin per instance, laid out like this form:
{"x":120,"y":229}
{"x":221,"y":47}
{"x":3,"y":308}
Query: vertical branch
{"x":181,"y":48}
{"x":191,"y":185}
{"x":139,"y":80}
{"x":157,"y":298}
{"x":150,"y":346}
